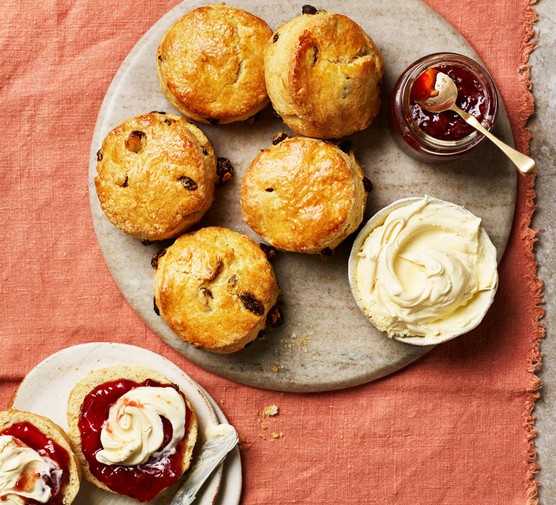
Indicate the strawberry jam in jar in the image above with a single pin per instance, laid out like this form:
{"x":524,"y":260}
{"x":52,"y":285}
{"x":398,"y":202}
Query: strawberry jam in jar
{"x":441,"y":136}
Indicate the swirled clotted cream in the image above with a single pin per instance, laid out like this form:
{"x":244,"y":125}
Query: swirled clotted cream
{"x":21,"y":473}
{"x":134,"y":430}
{"x":424,"y":270}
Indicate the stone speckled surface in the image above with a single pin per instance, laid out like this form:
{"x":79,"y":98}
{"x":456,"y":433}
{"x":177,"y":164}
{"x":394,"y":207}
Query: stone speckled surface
{"x":543,"y":149}
{"x":326,"y":342}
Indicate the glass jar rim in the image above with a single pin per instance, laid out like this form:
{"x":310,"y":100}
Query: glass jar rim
{"x":447,"y":147}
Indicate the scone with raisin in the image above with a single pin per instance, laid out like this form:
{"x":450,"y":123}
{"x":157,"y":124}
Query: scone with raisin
{"x":323,"y":74}
{"x":214,"y":288}
{"x":303,"y":195}
{"x":211,"y":64}
{"x":155,"y":176}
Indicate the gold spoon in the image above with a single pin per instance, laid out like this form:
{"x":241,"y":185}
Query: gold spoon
{"x":443,"y":97}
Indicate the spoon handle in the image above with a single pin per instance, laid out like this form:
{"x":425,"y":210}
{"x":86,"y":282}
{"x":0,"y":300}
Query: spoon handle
{"x":524,"y":164}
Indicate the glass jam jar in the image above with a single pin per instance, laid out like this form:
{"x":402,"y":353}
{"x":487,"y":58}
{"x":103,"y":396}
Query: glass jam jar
{"x":444,"y":136}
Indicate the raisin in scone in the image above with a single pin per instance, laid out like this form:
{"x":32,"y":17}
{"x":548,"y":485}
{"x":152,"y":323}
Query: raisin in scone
{"x":303,"y":195}
{"x":214,"y":288}
{"x":133,"y":430}
{"x":211,"y":64}
{"x":323,"y":74}
{"x":155,"y":176}
{"x":37,"y":462}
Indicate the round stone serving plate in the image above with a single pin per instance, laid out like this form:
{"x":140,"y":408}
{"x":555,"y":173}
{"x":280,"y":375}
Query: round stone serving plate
{"x":46,"y":388}
{"x":326,"y":343}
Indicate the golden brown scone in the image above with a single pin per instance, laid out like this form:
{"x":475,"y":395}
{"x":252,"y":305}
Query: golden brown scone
{"x":303,"y":195}
{"x":323,"y":75}
{"x":214,"y":288}
{"x":155,"y":176}
{"x":53,"y":432}
{"x":211,"y":64}
{"x":76,"y":407}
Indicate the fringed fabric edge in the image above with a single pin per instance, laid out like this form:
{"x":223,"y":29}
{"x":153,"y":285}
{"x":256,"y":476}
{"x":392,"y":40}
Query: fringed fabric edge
{"x":529,"y":238}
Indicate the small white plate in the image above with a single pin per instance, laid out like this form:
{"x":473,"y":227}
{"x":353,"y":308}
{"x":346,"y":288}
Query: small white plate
{"x":45,"y":390}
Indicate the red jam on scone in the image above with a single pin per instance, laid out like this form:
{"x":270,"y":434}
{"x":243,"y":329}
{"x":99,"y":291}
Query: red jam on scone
{"x":33,"y":467}
{"x":133,"y":436}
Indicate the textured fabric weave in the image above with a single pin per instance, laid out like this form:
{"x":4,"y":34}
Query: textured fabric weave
{"x":454,"y":428}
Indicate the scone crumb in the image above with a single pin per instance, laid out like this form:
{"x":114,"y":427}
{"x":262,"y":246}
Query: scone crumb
{"x":274,"y":368}
{"x":268,"y":423}
{"x":244,"y":443}
{"x":297,"y":343}
{"x":270,"y":410}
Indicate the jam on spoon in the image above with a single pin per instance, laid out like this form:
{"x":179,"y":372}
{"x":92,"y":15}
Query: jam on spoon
{"x":447,"y":125}
{"x":423,"y":87}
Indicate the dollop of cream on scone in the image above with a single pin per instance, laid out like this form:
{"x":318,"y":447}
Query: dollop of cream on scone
{"x":22,"y":472}
{"x":37,"y":461}
{"x":134,"y":430}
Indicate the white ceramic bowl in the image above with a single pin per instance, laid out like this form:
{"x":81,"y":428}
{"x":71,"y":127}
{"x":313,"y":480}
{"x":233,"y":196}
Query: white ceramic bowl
{"x":378,"y":220}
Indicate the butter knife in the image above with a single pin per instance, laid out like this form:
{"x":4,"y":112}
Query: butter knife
{"x":220,"y":440}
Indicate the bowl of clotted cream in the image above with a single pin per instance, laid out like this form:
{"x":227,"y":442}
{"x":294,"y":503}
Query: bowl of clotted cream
{"x":423,"y":270}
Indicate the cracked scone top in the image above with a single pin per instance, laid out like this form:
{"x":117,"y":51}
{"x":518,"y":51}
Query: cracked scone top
{"x":214,"y":288}
{"x":211,"y":64}
{"x":155,"y":176}
{"x":323,"y":75}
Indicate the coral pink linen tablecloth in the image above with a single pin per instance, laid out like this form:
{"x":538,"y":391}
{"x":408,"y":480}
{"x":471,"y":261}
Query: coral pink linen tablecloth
{"x":453,"y":428}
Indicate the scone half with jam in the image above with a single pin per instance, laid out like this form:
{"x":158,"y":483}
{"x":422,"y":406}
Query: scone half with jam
{"x":37,"y":462}
{"x":134,"y":431}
